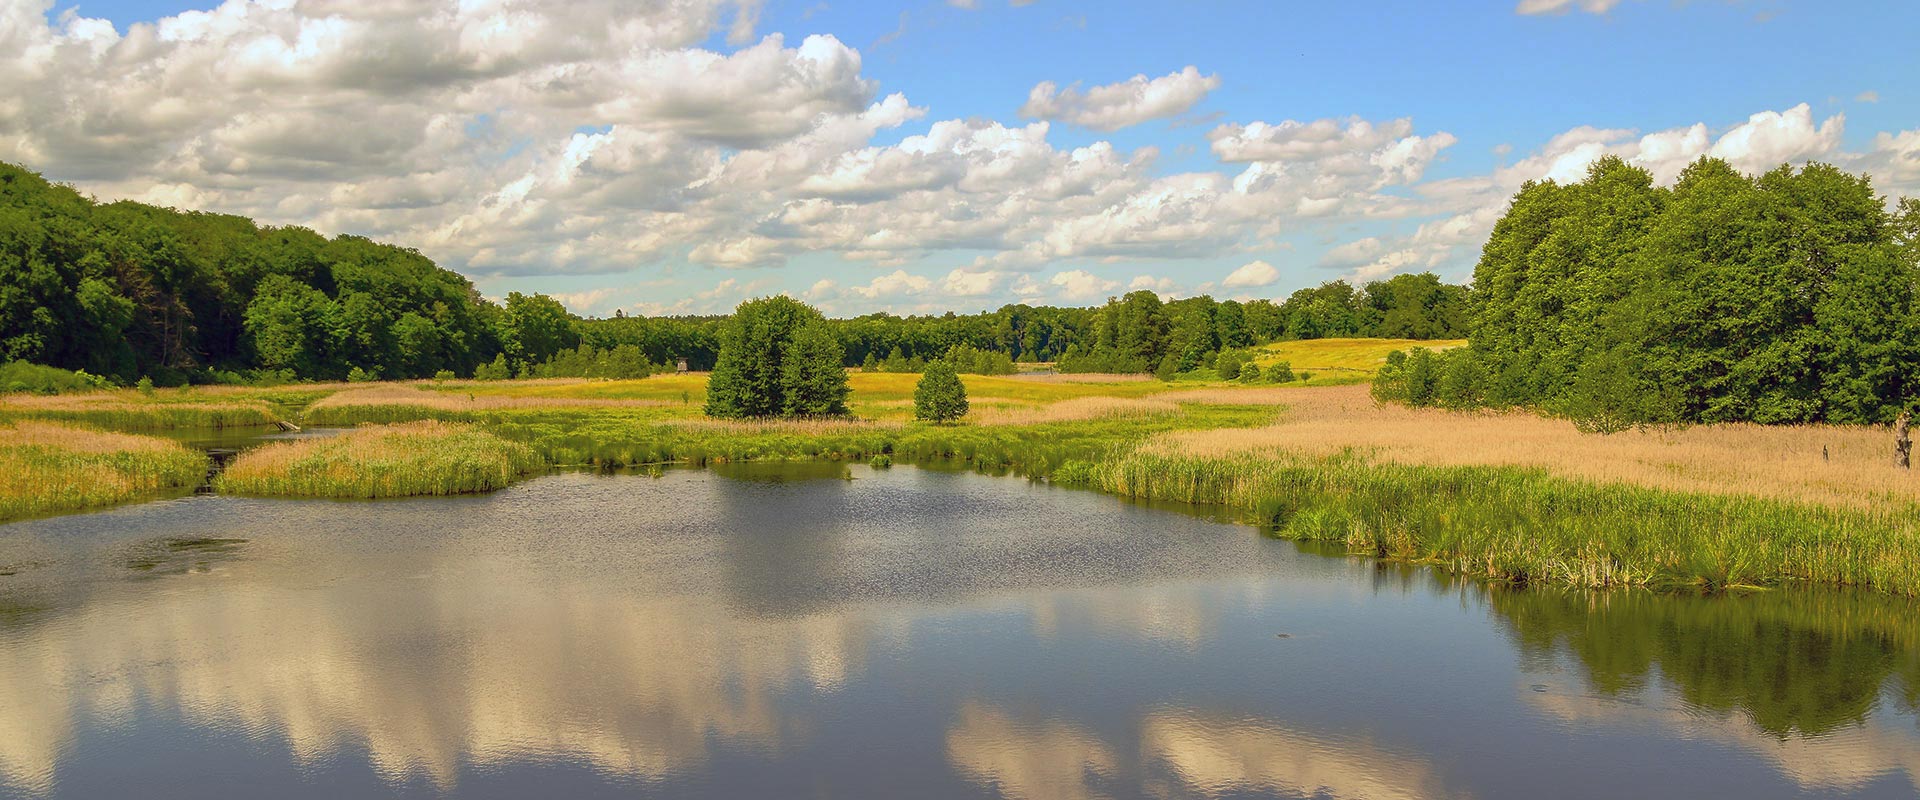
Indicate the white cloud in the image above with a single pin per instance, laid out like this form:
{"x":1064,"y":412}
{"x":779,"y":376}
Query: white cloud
{"x":1081,"y":285}
{"x":1563,"y":6}
{"x":1118,"y":105}
{"x":1251,"y":275}
{"x":1868,"y":96}
{"x":893,"y":284}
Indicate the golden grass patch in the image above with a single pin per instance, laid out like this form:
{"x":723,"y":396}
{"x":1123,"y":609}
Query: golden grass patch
{"x":409,"y":459}
{"x":51,"y":467}
{"x":1825,"y":464}
{"x":399,"y":394}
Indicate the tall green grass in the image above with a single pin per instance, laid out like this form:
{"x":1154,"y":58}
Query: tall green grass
{"x":1526,"y":526}
{"x":127,"y":411}
{"x":47,"y":468}
{"x":424,"y":458}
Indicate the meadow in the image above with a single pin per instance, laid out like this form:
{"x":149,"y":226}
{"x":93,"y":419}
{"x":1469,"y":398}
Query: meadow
{"x":1509,"y":497}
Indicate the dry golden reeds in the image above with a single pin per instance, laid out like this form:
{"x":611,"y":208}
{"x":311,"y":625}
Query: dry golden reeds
{"x":1826,"y":464}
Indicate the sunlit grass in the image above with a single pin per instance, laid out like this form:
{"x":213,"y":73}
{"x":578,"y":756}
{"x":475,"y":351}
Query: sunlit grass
{"x":48,"y":467}
{"x":129,"y":410}
{"x":412,"y":459}
{"x":1528,"y":526}
{"x":1341,"y":361}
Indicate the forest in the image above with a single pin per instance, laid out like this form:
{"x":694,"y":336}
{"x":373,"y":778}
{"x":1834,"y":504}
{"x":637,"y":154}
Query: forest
{"x":128,"y":291}
{"x":1787,"y":297}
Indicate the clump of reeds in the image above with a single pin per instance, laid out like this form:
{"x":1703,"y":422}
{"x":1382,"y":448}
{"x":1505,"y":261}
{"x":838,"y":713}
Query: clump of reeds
{"x":131,"y":411}
{"x":389,"y":403}
{"x":1529,"y":526}
{"x":49,"y":468}
{"x":406,"y":460}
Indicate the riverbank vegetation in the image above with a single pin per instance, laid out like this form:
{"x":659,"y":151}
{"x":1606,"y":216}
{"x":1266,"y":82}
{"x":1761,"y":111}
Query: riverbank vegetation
{"x":53,"y":468}
{"x":1509,"y":496}
{"x":1788,"y":297}
{"x":406,"y":460}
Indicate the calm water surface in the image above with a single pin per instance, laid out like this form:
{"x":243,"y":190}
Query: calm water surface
{"x":826,"y":631}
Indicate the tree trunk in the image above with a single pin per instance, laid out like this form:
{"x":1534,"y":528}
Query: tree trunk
{"x":1903,"y":441}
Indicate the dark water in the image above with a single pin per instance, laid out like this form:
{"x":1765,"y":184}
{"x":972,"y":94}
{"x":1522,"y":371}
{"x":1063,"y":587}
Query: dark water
{"x":786,"y":632}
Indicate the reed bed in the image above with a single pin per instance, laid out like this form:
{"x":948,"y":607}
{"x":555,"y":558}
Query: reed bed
{"x":1080,"y":377}
{"x":405,"y":460}
{"x":394,"y":402}
{"x":1531,"y":526}
{"x":51,"y":468}
{"x":1077,"y":409}
{"x":1830,"y":465}
{"x":132,"y":411}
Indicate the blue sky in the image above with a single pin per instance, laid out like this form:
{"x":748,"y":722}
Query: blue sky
{"x":663,"y":205}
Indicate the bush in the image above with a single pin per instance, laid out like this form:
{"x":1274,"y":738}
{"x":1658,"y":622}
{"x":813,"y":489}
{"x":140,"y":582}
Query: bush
{"x":358,"y":375}
{"x":1280,"y":373}
{"x":498,"y":370}
{"x":443,"y":376}
{"x":20,"y":376}
{"x":1250,"y":373}
{"x":145,"y":386}
{"x":940,"y":396}
{"x":1228,"y":364}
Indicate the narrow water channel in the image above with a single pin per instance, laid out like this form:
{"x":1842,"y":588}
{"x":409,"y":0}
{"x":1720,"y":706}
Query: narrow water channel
{"x":836,"y":631}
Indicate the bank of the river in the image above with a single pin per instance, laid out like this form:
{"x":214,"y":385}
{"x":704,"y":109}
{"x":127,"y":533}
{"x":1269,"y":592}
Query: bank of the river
{"x":1506,"y":498}
{"x":51,"y":468}
{"x":405,"y":460}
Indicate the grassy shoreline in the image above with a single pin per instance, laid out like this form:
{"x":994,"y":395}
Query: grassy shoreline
{"x":1510,"y":499}
{"x":54,"y":468}
{"x":407,"y":460}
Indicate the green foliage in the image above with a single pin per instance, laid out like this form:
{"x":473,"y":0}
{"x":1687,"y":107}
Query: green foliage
{"x":358,"y":375}
{"x":1228,"y":363}
{"x":811,"y":378}
{"x":939,"y":396}
{"x":145,"y":386}
{"x":777,"y":358}
{"x":1280,"y":372}
{"x":20,"y":376}
{"x":496,"y":370}
{"x":1784,"y":298}
{"x":971,"y":360}
{"x":1250,"y":373}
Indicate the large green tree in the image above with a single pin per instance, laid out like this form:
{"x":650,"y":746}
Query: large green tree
{"x":776,"y":358}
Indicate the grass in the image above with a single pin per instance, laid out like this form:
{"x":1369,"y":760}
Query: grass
{"x":1335,"y":362}
{"x":412,"y":459}
{"x":52,"y":468}
{"x":128,"y":410}
{"x":1528,"y":526}
{"x":1508,"y":497}
{"x":1829,"y":465}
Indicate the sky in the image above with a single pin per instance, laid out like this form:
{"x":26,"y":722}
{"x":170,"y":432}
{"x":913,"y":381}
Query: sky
{"x":679,"y":156}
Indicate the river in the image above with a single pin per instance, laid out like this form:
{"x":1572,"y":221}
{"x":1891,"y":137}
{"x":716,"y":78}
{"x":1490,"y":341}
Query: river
{"x":824,"y":630}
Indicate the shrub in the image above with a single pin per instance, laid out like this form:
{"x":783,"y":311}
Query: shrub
{"x":1280,"y":373}
{"x":940,"y":396}
{"x":358,"y":375}
{"x":1250,"y":373}
{"x":145,"y":386}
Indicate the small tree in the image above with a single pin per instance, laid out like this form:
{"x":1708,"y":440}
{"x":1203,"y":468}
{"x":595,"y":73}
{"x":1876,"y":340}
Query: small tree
{"x":940,"y":396}
{"x":1250,"y":373}
{"x":1280,"y":373}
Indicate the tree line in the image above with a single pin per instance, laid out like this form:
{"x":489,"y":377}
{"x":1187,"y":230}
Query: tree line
{"x":1786,"y":297}
{"x":129,"y":291}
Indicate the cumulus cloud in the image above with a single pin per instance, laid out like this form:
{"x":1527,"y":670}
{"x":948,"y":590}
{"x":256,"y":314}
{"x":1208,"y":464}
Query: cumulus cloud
{"x":515,"y":137}
{"x":1252,"y":274}
{"x":1081,"y":285}
{"x":1118,"y":105}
